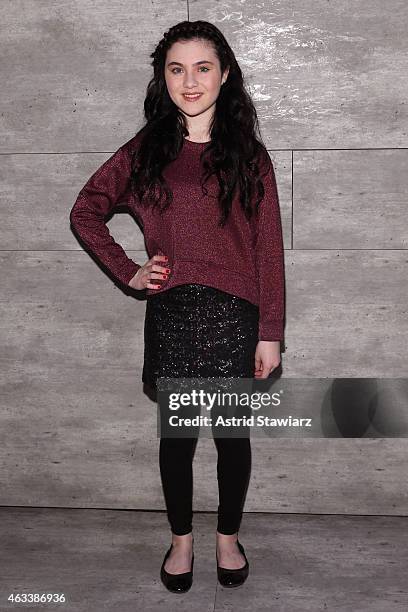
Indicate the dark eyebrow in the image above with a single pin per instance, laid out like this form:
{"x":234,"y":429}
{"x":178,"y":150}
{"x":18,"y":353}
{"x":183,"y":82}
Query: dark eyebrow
{"x":195,"y":63}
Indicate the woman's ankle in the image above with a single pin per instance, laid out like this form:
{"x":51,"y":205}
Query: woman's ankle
{"x":184,"y":539}
{"x":223,"y":537}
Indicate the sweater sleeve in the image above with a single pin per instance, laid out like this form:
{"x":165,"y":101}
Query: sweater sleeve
{"x":100,"y":195}
{"x":269,"y":258}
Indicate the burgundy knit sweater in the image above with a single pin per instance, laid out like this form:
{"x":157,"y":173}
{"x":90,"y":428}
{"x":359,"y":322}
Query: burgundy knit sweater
{"x":245,"y":258}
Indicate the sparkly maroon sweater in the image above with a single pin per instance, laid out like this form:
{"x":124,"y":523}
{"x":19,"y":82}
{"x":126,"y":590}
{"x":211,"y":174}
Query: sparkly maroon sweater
{"x":245,"y":258}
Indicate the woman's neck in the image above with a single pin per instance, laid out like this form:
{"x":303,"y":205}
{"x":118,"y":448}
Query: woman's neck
{"x":198,"y":136}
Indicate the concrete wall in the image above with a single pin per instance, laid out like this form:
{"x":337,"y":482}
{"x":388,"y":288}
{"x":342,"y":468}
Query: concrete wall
{"x":330,"y":83}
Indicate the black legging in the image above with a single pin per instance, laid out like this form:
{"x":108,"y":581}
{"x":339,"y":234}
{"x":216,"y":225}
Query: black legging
{"x":233,"y":473}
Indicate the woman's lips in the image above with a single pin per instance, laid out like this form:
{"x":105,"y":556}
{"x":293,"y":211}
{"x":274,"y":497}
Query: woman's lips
{"x":192,"y":98}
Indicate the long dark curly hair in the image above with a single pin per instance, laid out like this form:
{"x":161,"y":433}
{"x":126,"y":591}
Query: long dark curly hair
{"x":233,"y":153}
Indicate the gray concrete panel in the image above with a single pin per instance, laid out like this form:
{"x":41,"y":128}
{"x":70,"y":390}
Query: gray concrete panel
{"x":322,"y":74}
{"x":346,"y":313}
{"x":38,"y":192}
{"x":107,"y":560}
{"x":77,"y":71}
{"x":350,"y":199}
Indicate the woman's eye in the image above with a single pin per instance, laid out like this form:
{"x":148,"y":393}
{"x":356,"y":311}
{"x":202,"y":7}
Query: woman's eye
{"x":175,"y":70}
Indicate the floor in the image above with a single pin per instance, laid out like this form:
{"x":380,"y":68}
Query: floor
{"x":110,"y":560}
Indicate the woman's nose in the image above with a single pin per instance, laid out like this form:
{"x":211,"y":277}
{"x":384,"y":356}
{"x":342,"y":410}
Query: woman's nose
{"x":190,"y":80}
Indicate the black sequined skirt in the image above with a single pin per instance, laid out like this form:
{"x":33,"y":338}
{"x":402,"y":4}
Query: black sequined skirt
{"x":197,"y":331}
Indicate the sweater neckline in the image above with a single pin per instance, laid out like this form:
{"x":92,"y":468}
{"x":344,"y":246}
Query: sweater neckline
{"x":194,"y":143}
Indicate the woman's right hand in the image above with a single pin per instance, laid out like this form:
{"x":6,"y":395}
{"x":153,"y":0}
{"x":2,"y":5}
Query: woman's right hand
{"x":149,"y":271}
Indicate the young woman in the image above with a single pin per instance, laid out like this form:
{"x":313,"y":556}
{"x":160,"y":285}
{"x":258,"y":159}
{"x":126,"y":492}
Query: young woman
{"x":202,"y":185}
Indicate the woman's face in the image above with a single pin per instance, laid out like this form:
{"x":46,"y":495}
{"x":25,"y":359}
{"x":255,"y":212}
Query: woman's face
{"x":192,"y":67}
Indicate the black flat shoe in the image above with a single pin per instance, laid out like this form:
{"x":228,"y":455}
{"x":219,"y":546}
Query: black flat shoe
{"x":176,"y":583}
{"x":233,"y":577}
